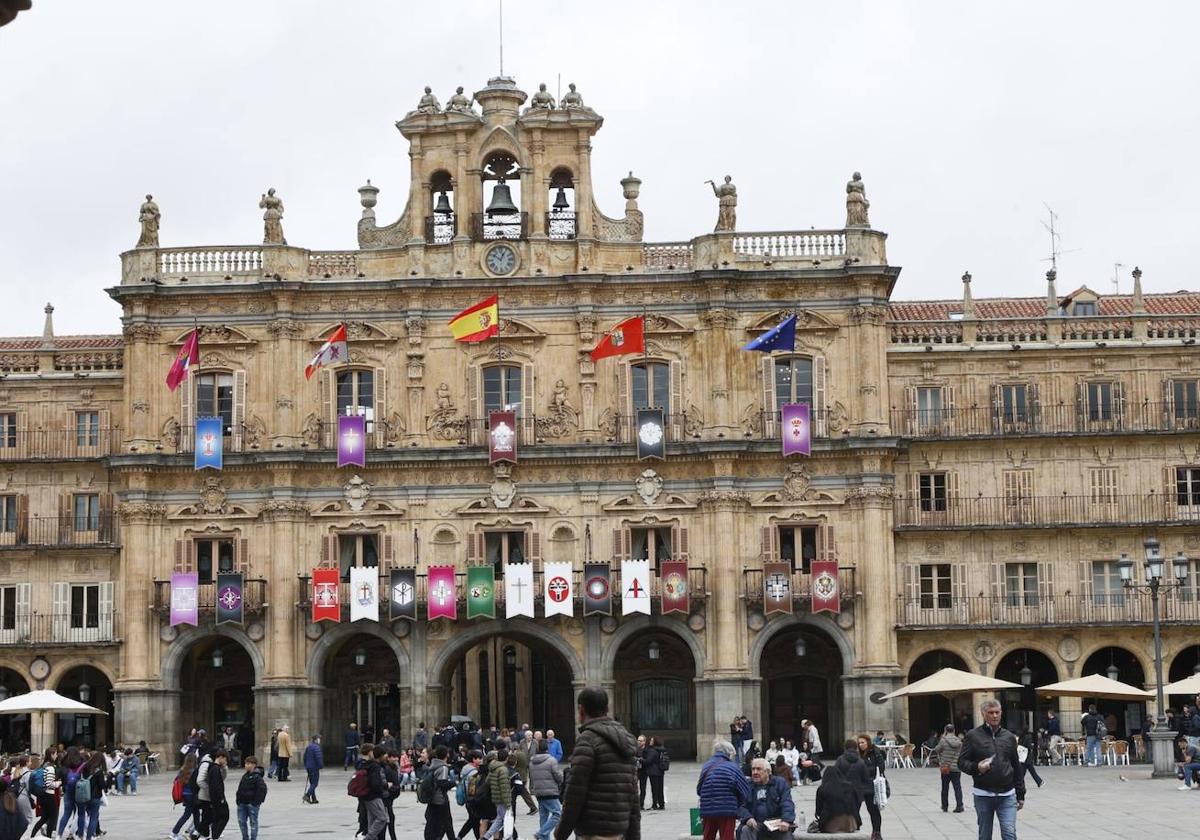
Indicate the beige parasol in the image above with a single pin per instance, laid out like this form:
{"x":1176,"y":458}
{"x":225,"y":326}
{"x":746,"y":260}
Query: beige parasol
{"x":1190,"y":685}
{"x":951,"y":681}
{"x":1095,"y":686}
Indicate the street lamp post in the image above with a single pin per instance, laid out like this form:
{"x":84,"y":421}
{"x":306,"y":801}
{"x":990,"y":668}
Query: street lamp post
{"x":1162,"y":752}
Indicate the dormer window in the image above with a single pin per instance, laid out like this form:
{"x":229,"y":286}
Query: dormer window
{"x":561,"y":217}
{"x":1083,"y":308}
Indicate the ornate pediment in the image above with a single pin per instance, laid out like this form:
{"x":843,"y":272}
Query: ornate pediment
{"x":213,"y":501}
{"x":807,"y":319}
{"x":519,"y":330}
{"x":355,"y":331}
{"x":663,"y":325}
{"x":634,"y":502}
{"x":211,"y":334}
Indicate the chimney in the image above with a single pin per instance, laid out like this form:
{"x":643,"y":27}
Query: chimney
{"x":968,"y":302}
{"x":1051,"y":295}
{"x":1139,"y":304}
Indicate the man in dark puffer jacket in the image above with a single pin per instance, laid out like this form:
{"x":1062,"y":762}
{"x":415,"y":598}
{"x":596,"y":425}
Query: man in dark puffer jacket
{"x":601,"y":798}
{"x":989,"y":755}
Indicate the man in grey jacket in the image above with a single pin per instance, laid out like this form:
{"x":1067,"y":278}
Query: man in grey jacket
{"x":545,"y":782}
{"x":946,"y":752}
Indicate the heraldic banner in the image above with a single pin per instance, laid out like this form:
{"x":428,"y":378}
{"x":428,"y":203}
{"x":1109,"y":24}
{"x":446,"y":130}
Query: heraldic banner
{"x":597,"y":597}
{"x":442,"y":597}
{"x":230,"y":594}
{"x":826,"y":590}
{"x":796,"y":429}
{"x":481,"y":592}
{"x":364,"y":593}
{"x":674,"y":582}
{"x":210,"y":440}
{"x":518,"y":589}
{"x":651,"y":434}
{"x":777,"y":588}
{"x":559,"y":596}
{"x":326,"y":596}
{"x":502,"y":437}
{"x":402,"y":594}
{"x":351,"y":440}
{"x":635,"y":587}
{"x":185,"y":599}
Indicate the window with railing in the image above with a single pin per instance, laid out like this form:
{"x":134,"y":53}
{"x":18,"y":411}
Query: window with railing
{"x":87,"y":512}
{"x":356,"y":395}
{"x":651,"y":385}
{"x":1189,"y":589}
{"x":87,"y":428}
{"x":213,"y":557}
{"x":8,"y":514}
{"x":1187,"y":486}
{"x":929,"y":408}
{"x":798,"y":546}
{"x":1186,"y":400}
{"x":931,"y":489}
{"x":8,"y":607}
{"x":8,"y":431}
{"x":794,"y":380}
{"x":500,"y":547}
{"x":1102,"y":490}
{"x":653,"y":544}
{"x":502,"y":389}
{"x":1014,"y":405}
{"x":85,"y":606}
{"x":1107,"y":588}
{"x":214,"y":398}
{"x":935,"y":586}
{"x":357,"y":551}
{"x":1021,"y":584}
{"x":1018,"y":495}
{"x":1099,"y":401}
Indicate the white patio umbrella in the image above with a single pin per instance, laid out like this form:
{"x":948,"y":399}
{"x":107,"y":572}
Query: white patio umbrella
{"x":1095,"y":686}
{"x":1188,"y":685}
{"x":951,"y":681}
{"x":44,"y":703}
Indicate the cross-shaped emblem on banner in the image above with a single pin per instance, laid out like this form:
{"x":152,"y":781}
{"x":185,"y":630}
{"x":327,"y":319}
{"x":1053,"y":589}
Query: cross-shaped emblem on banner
{"x":636,"y":588}
{"x":326,"y":595}
{"x":777,"y":586}
{"x":441,"y":592}
{"x":520,"y":585}
{"x":230,"y":598}
{"x":558,"y":589}
{"x":350,"y":439}
{"x":364,"y":593}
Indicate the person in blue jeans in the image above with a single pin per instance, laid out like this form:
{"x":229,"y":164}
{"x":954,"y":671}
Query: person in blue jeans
{"x":72,"y":766}
{"x":989,"y":756}
{"x":1091,"y":724}
{"x":351,"y":739}
{"x":251,"y":792}
{"x":128,"y":772}
{"x":87,"y":811}
{"x":191,"y":810}
{"x":314,"y":760}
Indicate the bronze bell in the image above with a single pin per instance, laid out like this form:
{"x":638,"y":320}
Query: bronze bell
{"x":443,"y":205}
{"x":501,"y":203}
{"x":560,"y":200}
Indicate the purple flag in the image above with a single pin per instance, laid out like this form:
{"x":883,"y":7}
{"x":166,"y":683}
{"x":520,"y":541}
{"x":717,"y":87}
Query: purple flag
{"x":185,"y":591}
{"x":352,"y":440}
{"x":796,"y":429}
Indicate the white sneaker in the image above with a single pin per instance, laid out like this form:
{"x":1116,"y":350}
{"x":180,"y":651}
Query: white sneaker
{"x":1184,"y":787}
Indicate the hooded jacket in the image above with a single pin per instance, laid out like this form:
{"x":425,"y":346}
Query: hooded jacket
{"x":252,"y":790}
{"x":602,"y":792}
{"x":947,"y":751}
{"x":838,"y":797}
{"x":498,"y":781}
{"x":545,"y":776}
{"x":853,"y":769}
{"x":1005,"y":773}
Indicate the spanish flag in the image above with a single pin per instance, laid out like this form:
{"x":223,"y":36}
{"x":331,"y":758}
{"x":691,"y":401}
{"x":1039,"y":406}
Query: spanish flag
{"x":480,"y":322}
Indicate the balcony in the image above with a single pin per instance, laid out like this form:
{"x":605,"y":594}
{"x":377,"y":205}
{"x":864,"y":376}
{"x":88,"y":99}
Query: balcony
{"x":58,"y":444}
{"x":254,"y":597}
{"x":697,"y":585}
{"x":60,"y":629}
{"x":1041,"y":512}
{"x":489,"y":227}
{"x":766,"y":424}
{"x":939,"y":612}
{"x":1061,"y":418}
{"x":62,"y":532}
{"x":752,"y":586}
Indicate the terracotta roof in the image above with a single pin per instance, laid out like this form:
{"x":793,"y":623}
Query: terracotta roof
{"x":64,"y":342}
{"x":1174,"y":303}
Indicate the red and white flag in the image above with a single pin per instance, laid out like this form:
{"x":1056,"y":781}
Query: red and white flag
{"x":332,"y":351}
{"x":188,"y":357}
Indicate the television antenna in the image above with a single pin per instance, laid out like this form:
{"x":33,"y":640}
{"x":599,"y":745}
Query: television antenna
{"x":1116,"y":281}
{"x":1056,"y":250}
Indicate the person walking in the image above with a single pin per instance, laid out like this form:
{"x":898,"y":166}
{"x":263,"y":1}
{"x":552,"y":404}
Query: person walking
{"x":554,"y":746}
{"x":600,"y":799}
{"x":545,"y":783}
{"x":89,"y":791}
{"x":946,"y":752}
{"x":251,"y":793}
{"x":813,"y":737}
{"x":474,"y":782}
{"x":770,"y":804}
{"x":273,"y":755}
{"x":285,"y":753}
{"x":45,"y":790}
{"x":191,"y":808}
{"x":643,"y":779}
{"x":989,"y":756}
{"x":500,"y":788}
{"x":876,"y":764}
{"x":1092,"y":725}
{"x":1027,"y":753}
{"x":13,"y":820}
{"x":654,"y":770}
{"x":737,"y":738}
{"x":723,"y":791}
{"x":351,"y":740}
{"x":438,"y":822}
{"x":1053,"y":729}
{"x":216,"y":813}
{"x":314,"y":760}
{"x":373,"y":807}
{"x":391,"y":775}
{"x":72,"y":767}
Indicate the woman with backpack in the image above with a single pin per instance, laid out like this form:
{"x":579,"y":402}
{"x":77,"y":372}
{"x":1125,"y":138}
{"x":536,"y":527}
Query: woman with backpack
{"x":183,"y":791}
{"x":43,"y":786}
{"x":89,"y":791}
{"x":72,"y":766}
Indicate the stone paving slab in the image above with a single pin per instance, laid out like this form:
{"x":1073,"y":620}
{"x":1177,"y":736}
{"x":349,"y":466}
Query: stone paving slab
{"x":1076,"y":802}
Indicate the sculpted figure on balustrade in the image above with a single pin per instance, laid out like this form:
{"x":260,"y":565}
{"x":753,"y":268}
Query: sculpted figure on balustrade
{"x":856,"y":203}
{"x":272,"y":207}
{"x":149,"y":216}
{"x":726,"y":194}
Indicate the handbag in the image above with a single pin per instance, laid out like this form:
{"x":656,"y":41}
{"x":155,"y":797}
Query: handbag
{"x":945,"y":769}
{"x":881,"y":790}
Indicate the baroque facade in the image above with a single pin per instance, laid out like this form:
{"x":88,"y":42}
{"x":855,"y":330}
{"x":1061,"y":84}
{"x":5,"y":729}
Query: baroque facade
{"x":977,"y":467}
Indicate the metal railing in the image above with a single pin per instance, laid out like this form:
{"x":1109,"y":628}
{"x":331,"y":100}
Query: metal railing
{"x":439,"y":229}
{"x":561,"y":224}
{"x":768,"y":425}
{"x":509,"y":226}
{"x":937,"y":611}
{"x":622,"y":428}
{"x":61,"y":629}
{"x":753,"y":583}
{"x":1038,"y":419}
{"x":54,"y":444}
{"x":61,"y":532}
{"x":254,"y":596}
{"x":1041,"y":511}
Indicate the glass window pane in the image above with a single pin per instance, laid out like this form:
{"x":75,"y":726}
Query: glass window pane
{"x":492,"y":396}
{"x":225,"y":556}
{"x":370,"y":553}
{"x":638,"y":373}
{"x":802,"y":381}
{"x":783,"y":382}
{"x":662,"y":386}
{"x":640,"y":541}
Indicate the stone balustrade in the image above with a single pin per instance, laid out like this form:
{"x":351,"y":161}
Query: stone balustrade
{"x":667,"y":256}
{"x":223,"y":260}
{"x":791,"y":244}
{"x":1056,"y":329}
{"x":332,"y":264}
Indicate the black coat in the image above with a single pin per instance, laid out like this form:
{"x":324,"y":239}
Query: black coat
{"x":651,"y":761}
{"x":601,"y":795}
{"x":853,"y":769}
{"x":252,"y":789}
{"x":838,"y":795}
{"x":1005,"y":773}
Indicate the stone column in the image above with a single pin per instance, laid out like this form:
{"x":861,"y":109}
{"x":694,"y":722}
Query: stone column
{"x":716,"y":363}
{"x":287,"y":520}
{"x":724,"y":549}
{"x":143,"y":538}
{"x":142,"y":432}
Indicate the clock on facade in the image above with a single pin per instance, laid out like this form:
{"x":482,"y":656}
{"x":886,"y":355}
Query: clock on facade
{"x":501,"y":259}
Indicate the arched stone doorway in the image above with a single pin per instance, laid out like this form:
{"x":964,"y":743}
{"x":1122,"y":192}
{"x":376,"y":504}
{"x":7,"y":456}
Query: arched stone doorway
{"x":654,"y":688}
{"x":15,"y":730}
{"x":1185,"y":664}
{"x":216,"y":681}
{"x":801,"y":670}
{"x":364,"y":685}
{"x":92,"y":686}
{"x":1123,"y":718}
{"x":931,"y":712}
{"x":1023,"y":708}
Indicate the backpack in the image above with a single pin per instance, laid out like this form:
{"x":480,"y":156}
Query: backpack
{"x":177,"y":791}
{"x":1101,"y":729}
{"x":478,"y":789}
{"x":460,"y":790}
{"x":37,"y":782}
{"x":426,"y":787}
{"x":83,"y":790}
{"x":664,"y":759}
{"x":358,"y":786}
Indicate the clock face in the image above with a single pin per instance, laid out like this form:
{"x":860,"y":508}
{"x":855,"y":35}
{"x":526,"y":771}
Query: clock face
{"x":501,"y":260}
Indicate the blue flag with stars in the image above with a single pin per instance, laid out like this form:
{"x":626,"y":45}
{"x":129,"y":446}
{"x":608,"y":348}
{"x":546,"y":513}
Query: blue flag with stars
{"x":780,"y":337}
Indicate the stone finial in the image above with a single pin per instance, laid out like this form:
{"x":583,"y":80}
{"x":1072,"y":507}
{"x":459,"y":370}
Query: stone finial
{"x":368,"y":196}
{"x":968,"y":301}
{"x":149,"y":217}
{"x":631,"y":186}
{"x":1051,"y":295}
{"x":1139,"y":303}
{"x":272,"y":207}
{"x":856,"y":203}
{"x":48,"y":327}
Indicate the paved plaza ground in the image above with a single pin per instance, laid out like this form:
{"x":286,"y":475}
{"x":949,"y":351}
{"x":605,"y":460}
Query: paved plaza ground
{"x":1076,"y":802}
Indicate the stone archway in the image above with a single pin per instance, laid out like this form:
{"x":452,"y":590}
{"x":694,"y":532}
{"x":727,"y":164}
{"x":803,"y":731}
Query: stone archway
{"x":15,"y":730}
{"x":334,"y":637}
{"x":1023,"y":708}
{"x":634,"y":625}
{"x":801,"y":665}
{"x":820,"y":623}
{"x":1122,"y":718}
{"x":931,"y":712}
{"x":87,"y":683}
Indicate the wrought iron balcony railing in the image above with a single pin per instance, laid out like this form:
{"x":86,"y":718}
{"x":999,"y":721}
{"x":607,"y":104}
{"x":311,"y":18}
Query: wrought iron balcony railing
{"x":60,"y":628}
{"x":61,"y":532}
{"x":1061,"y":418}
{"x":940,"y":611}
{"x":21,"y":444}
{"x":753,"y":582}
{"x":254,"y":596}
{"x":1042,"y":511}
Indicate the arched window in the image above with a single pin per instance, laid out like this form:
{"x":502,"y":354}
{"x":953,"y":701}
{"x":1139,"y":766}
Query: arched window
{"x":561,"y":217}
{"x":356,"y":395}
{"x":651,"y":386}
{"x":502,"y":389}
{"x":440,"y":223}
{"x":214,"y":398}
{"x":794,"y":381}
{"x":501,"y":217}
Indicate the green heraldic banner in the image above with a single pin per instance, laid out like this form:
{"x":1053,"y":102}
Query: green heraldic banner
{"x":481,"y":592}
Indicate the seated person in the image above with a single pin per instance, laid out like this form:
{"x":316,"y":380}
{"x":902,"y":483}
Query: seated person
{"x":839,"y":798}
{"x":808,"y":769}
{"x":770,"y":813}
{"x":1190,"y":764}
{"x":780,"y":768}
{"x":878,"y":740}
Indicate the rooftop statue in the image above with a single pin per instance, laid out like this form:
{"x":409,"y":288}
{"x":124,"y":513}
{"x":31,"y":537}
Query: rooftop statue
{"x":429,"y":103}
{"x":856,"y":203}
{"x":272,"y":218}
{"x":571,"y":99}
{"x":459,"y":102}
{"x":542,"y":99}
{"x":726,"y":204}
{"x":149,"y":216}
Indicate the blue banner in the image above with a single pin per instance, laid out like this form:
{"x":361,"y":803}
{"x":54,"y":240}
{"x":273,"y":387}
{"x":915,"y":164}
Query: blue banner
{"x":210,"y":442}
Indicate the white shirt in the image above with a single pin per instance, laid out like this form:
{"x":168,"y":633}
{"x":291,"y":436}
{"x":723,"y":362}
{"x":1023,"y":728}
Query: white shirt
{"x":792,"y":756}
{"x":771,"y":753}
{"x":814,"y":738}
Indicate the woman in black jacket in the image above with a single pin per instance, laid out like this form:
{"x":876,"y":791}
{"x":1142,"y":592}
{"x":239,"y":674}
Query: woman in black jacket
{"x":12,"y":822}
{"x":652,"y":761}
{"x":875,"y":761}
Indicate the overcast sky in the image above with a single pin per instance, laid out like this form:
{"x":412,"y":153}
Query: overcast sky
{"x":963,"y":118}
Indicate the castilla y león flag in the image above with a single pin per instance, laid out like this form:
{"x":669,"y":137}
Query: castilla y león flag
{"x":826,"y":591}
{"x":674,"y":582}
{"x":326,"y":596}
{"x":629,"y":336}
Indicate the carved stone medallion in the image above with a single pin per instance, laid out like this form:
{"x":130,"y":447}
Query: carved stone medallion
{"x":357,"y":493}
{"x":1069,"y":649}
{"x":213,"y":498}
{"x":985,"y":651}
{"x":649,"y":485}
{"x":503,"y":488}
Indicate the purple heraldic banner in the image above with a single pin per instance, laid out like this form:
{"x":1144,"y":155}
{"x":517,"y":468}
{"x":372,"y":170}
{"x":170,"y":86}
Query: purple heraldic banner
{"x":352,"y":440}
{"x":185,"y":601}
{"x":796,"y":429}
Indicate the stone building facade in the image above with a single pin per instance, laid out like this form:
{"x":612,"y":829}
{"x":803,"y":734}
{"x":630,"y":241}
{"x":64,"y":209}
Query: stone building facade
{"x":974,"y":465}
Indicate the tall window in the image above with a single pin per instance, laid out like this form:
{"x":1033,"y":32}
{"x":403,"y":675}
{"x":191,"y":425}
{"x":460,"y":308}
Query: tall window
{"x":1021,"y":584}
{"x":1187,"y":486}
{"x":798,"y":546}
{"x":1014,"y":404}
{"x":932,"y":490}
{"x":213,"y":557}
{"x":935,"y":586}
{"x":85,"y":606}
{"x":929,"y":407}
{"x":1018,"y":495}
{"x":8,"y":514}
{"x":1102,"y":489}
{"x":356,"y":395}
{"x":1190,"y":590}
{"x":500,"y":547}
{"x":1106,"y":583}
{"x":87,"y":428}
{"x":502,"y":389}
{"x":87,"y":512}
{"x":1099,"y":401}
{"x":651,"y":385}
{"x":357,"y":551}
{"x":214,"y":398}
{"x":793,"y":381}
{"x":8,"y":431}
{"x":1187,"y":399}
{"x":653,"y":544}
{"x":8,"y":608}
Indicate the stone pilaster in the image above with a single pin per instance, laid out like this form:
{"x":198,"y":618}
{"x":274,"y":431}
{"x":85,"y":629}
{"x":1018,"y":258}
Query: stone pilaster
{"x":142,"y":535}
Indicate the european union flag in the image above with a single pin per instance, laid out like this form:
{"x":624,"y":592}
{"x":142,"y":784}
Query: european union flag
{"x":210,"y":439}
{"x":781,"y":337}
